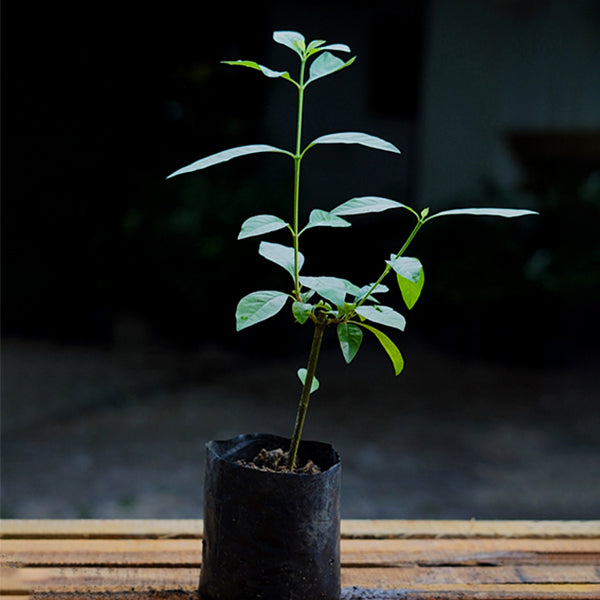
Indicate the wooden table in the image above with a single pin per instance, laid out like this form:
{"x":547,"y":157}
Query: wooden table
{"x":380,"y":559}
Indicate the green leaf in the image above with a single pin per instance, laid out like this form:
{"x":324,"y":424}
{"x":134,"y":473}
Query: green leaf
{"x":280,"y":255}
{"x":264,"y":70}
{"x":350,"y":336}
{"x":485,"y":212}
{"x":409,"y":268}
{"x":322,"y":218}
{"x":257,"y":307}
{"x":291,"y":39}
{"x":314,"y":46}
{"x":314,"y":386}
{"x":388,"y":346}
{"x":384,"y":315}
{"x":366,"y":204}
{"x":409,"y":289}
{"x":354,"y":137}
{"x":326,"y":64}
{"x":225,"y":155}
{"x":260,"y":224}
{"x":301,"y":311}
{"x":380,"y":289}
{"x":336,"y":48}
{"x":330,"y":288}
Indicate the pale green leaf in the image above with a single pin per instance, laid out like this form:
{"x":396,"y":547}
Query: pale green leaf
{"x":326,"y":64}
{"x":257,"y":307}
{"x":350,"y":336}
{"x":407,"y":267}
{"x":314,"y":386}
{"x":388,"y":346}
{"x":384,"y":315}
{"x":354,"y":137}
{"x":485,"y":212}
{"x":291,"y":39}
{"x":329,"y":288}
{"x":336,"y":48}
{"x":322,"y":218}
{"x":365,"y":204}
{"x":301,"y":311}
{"x":410,"y":290}
{"x":259,"y":225}
{"x":380,"y":289}
{"x":264,"y":70}
{"x":280,"y":255}
{"x":314,"y":46}
{"x":225,"y":155}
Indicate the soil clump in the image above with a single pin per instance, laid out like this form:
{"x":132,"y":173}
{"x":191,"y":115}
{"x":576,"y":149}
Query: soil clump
{"x":276,"y":461}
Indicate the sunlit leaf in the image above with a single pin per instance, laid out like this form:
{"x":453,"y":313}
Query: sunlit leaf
{"x":280,"y":255}
{"x":257,"y":307}
{"x":225,"y":155}
{"x":330,"y":288}
{"x":326,"y":64}
{"x":365,"y":204}
{"x":314,"y":386}
{"x":407,"y":267}
{"x":264,"y":70}
{"x":350,"y":336}
{"x":384,"y":315}
{"x":322,"y":218}
{"x":485,"y":212}
{"x":291,"y":39}
{"x":409,"y":289}
{"x":388,"y":346}
{"x":260,"y":224}
{"x":354,"y":137}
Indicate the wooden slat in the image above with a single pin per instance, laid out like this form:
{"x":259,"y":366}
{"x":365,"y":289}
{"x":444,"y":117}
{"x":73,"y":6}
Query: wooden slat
{"x":351,"y":528}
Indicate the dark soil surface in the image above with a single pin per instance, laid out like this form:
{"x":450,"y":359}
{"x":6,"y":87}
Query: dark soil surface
{"x":119,"y":432}
{"x":276,"y":461}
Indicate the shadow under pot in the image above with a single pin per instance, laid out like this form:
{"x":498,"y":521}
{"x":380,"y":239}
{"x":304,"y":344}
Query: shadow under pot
{"x":270,"y":535}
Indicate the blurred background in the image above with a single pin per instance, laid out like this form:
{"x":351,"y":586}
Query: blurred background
{"x":120,"y":358}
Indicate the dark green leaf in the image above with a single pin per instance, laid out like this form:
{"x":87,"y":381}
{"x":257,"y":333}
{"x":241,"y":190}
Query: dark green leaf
{"x":350,"y":336}
{"x":301,"y":311}
{"x":257,"y":307}
{"x":260,"y":224}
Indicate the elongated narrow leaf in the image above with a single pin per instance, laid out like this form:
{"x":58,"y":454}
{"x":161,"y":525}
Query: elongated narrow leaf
{"x":410,"y":290}
{"x":354,"y":137}
{"x":260,"y":224}
{"x":329,"y":288}
{"x":322,"y":218}
{"x":314,"y":386}
{"x":407,"y":267}
{"x":366,"y":204}
{"x":225,"y":155}
{"x":350,"y":336}
{"x":388,"y":346}
{"x":280,"y":255}
{"x":326,"y":64}
{"x":264,"y":70}
{"x":336,"y":48}
{"x":384,"y":315}
{"x":257,"y":307}
{"x":485,"y":212}
{"x":314,"y":46}
{"x":301,"y":311}
{"x":291,"y":39}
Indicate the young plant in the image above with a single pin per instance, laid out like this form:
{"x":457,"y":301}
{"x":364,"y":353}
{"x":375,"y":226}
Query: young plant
{"x":326,"y":300}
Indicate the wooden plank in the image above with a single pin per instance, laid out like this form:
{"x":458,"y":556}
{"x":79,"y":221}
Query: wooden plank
{"x":351,"y":528}
{"x":365,"y":552}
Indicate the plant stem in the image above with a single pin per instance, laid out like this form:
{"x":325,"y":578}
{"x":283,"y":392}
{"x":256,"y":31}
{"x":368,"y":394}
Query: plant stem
{"x":320,"y":325}
{"x":297,"y":160}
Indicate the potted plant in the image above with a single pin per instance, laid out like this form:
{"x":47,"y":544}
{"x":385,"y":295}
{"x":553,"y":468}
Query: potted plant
{"x":271,"y":511}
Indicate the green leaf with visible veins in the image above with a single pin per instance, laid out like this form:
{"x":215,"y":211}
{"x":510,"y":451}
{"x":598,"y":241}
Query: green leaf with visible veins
{"x":326,"y":64}
{"x":330,"y":288}
{"x":257,"y":307}
{"x":384,"y":315}
{"x":365,"y":204}
{"x":407,"y":267}
{"x":280,"y":255}
{"x":322,"y":218}
{"x":388,"y":346}
{"x":350,"y":336}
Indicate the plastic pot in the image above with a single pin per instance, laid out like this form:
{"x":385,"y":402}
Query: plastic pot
{"x":273,"y":536}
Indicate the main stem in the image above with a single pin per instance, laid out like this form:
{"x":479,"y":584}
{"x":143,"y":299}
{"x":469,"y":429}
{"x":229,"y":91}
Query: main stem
{"x":320,"y":326}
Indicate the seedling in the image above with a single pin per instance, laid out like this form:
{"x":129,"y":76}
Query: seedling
{"x":326,"y":300}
